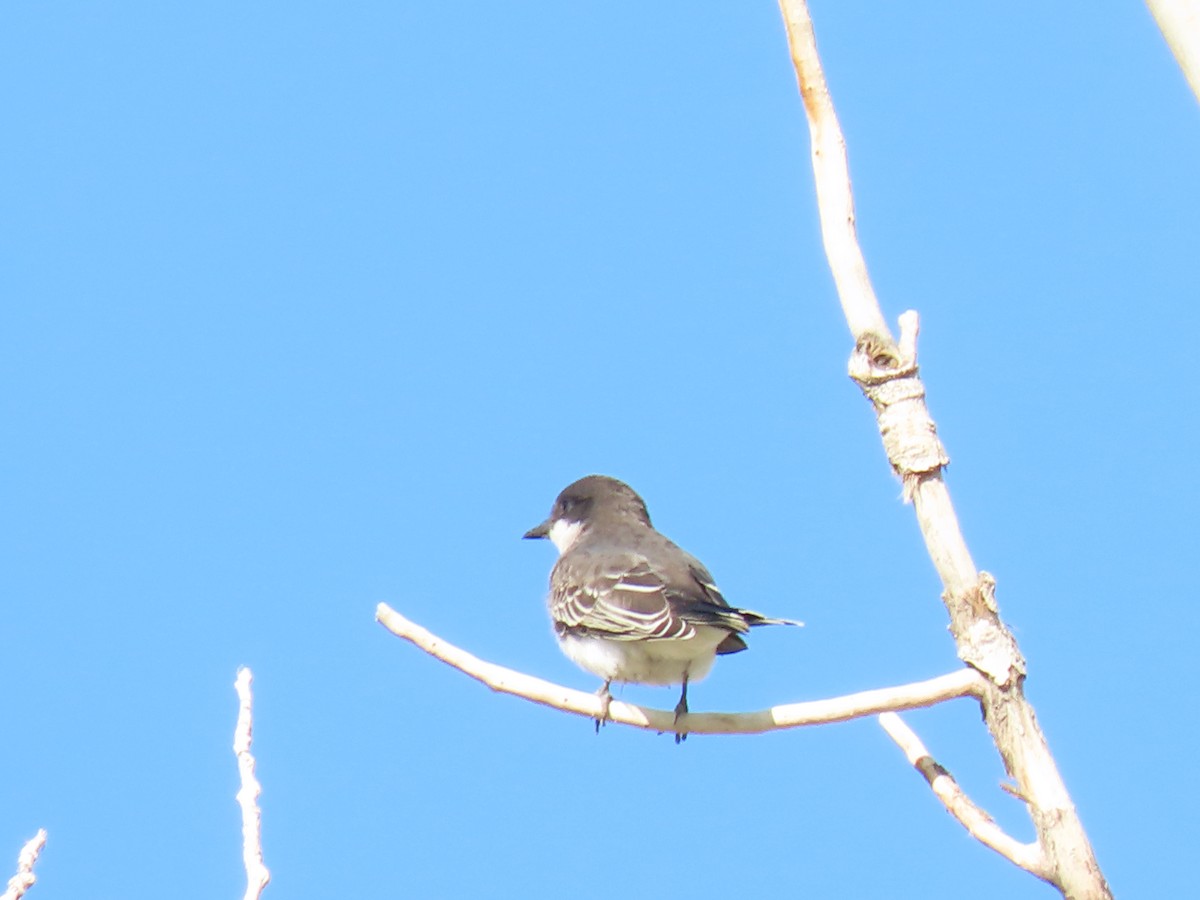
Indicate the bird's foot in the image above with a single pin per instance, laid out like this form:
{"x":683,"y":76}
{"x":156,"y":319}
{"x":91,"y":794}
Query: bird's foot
{"x":605,"y":696}
{"x":681,"y":711}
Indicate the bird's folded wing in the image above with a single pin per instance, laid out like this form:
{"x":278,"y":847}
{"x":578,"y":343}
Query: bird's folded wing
{"x":627,"y":599}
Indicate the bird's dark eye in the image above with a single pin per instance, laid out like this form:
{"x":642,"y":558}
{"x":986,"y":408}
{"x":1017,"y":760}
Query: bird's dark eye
{"x":572,"y":507}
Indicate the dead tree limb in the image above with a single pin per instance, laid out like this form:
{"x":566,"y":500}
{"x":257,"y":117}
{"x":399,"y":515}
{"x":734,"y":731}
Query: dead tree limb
{"x":1179,"y":22}
{"x":257,"y":874}
{"x":888,"y":375}
{"x":26,"y":859}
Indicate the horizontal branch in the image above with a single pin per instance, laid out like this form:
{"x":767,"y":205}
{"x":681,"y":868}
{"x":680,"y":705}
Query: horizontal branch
{"x":977,"y":822}
{"x":961,"y":683}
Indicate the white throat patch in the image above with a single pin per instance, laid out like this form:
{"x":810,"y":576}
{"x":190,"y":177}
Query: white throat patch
{"x":564,"y":534}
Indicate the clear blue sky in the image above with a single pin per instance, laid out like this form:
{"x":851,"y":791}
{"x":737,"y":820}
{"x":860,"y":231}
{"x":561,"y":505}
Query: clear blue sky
{"x":312,"y":306}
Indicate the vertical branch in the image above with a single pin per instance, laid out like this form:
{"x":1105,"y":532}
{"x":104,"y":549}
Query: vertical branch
{"x":257,"y":874}
{"x":1179,"y":21}
{"x":25,"y":879}
{"x":832,"y":171}
{"x":888,"y":375}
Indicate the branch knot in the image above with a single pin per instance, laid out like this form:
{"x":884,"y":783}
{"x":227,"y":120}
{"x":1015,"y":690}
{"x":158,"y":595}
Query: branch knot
{"x":983,"y":641}
{"x":888,"y":376}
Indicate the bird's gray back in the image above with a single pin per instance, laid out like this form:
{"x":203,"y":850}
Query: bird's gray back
{"x":645,"y":589}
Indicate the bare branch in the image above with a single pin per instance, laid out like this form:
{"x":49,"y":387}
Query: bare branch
{"x":888,"y":376}
{"x":1179,"y":21}
{"x":962,"y":683}
{"x":25,"y":879}
{"x":980,"y":825}
{"x":831,"y":170}
{"x":257,"y":874}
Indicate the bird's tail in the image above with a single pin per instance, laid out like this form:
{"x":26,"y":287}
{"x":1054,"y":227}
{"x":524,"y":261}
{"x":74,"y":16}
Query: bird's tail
{"x":754,"y":619}
{"x":746,"y":619}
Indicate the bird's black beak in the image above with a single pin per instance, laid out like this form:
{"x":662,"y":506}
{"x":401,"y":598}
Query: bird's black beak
{"x":538,"y":531}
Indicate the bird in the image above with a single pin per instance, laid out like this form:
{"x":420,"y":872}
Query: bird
{"x":627,"y":604}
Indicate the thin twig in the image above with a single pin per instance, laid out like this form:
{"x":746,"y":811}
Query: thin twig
{"x":961,"y":683}
{"x":977,"y":822}
{"x":25,"y":879}
{"x":257,"y":874}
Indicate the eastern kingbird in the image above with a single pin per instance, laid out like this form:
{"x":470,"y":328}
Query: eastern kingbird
{"x":628,"y":605}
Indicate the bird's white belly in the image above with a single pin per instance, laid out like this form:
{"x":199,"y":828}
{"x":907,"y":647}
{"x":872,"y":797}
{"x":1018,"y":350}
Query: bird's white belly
{"x":667,"y":661}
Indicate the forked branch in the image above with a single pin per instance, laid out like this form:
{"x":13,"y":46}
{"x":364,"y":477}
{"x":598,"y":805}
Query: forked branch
{"x":978,"y":823}
{"x":888,"y":374}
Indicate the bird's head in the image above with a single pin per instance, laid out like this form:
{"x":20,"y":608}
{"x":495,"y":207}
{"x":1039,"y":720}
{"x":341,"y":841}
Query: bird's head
{"x":585,"y":502}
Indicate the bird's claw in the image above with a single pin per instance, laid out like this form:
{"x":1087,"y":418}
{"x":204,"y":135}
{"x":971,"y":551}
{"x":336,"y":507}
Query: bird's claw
{"x":681,"y":711}
{"x":605,"y":701}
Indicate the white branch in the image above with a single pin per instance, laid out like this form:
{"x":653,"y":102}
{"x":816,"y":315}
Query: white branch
{"x":257,"y":874}
{"x":1179,"y":21}
{"x":961,"y":683}
{"x":977,"y":822}
{"x":25,"y":879}
{"x":888,"y":375}
{"x":831,"y":170}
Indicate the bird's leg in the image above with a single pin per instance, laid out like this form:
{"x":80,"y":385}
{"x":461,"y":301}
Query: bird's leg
{"x":681,"y":709}
{"x":605,"y":696}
